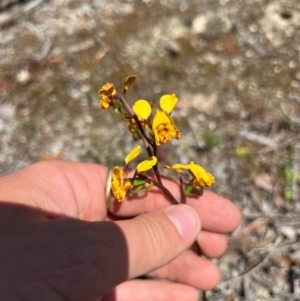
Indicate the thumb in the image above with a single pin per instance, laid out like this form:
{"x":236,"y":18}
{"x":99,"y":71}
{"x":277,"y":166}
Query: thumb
{"x":156,"y":238}
{"x":45,"y":258}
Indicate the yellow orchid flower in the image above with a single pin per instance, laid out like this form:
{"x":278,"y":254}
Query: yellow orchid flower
{"x":106,"y":92}
{"x":163,"y":128}
{"x":200,"y":176}
{"x":142,"y":109}
{"x":132,"y":154}
{"x":147,"y":164}
{"x":119,"y":186}
{"x":168,"y":102}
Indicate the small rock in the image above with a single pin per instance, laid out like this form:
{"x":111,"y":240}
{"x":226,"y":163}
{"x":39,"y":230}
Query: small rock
{"x":295,"y":257}
{"x":288,"y":232}
{"x":173,"y":48}
{"x":199,"y":24}
{"x":212,"y":24}
{"x":23,"y":76}
{"x":265,"y":182}
{"x":278,"y":22}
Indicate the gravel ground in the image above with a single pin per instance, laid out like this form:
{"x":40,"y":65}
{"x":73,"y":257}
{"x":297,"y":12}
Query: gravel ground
{"x":234,"y":65}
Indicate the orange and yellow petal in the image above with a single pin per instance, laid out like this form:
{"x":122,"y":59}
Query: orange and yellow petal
{"x":163,"y":128}
{"x":142,"y":109}
{"x":108,"y":89}
{"x":147,"y":164}
{"x":132,"y":154}
{"x":105,"y":102}
{"x":128,"y":82}
{"x":168,"y":102}
{"x":119,"y":186}
{"x":132,"y":126}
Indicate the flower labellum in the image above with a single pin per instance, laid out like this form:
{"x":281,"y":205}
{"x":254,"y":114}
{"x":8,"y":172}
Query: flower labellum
{"x":163,"y":128}
{"x":202,"y":177}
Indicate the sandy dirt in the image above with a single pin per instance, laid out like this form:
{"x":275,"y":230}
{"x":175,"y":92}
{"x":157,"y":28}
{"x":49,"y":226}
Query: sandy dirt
{"x":234,"y":65}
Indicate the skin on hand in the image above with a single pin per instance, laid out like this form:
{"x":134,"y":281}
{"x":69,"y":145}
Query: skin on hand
{"x":63,"y":236}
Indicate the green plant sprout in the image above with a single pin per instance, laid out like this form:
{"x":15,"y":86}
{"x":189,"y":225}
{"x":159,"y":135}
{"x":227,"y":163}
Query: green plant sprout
{"x":154,"y":127}
{"x":290,"y":189}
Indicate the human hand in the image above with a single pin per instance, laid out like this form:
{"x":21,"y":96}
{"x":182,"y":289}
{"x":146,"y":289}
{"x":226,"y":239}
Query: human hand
{"x":61,"y":250}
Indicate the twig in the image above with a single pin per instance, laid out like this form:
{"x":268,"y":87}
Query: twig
{"x":274,"y":289}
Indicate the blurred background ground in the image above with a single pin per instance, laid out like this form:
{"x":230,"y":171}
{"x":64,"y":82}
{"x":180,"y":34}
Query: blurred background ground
{"x":234,"y":65}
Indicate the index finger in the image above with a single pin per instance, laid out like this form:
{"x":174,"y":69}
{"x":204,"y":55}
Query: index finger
{"x":216,"y":212}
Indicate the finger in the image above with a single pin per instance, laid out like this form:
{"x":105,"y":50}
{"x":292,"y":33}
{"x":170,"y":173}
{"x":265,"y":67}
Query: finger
{"x":212,"y":244}
{"x":217,"y":214}
{"x":190,"y":269}
{"x":78,"y":190}
{"x":148,"y":290}
{"x":156,"y":238}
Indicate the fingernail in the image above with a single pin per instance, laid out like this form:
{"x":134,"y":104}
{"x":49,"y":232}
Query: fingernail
{"x":185,"y":220}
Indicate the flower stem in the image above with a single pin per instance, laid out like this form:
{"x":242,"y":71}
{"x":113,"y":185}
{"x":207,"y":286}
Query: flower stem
{"x":144,"y":137}
{"x":166,"y":192}
{"x":182,"y":194}
{"x":155,"y":167}
{"x":151,"y":150}
{"x":150,"y":147}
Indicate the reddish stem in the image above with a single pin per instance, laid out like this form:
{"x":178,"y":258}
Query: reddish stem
{"x":167,"y":193}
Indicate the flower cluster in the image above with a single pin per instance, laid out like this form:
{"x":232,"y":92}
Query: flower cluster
{"x":153,"y":126}
{"x":162,"y":125}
